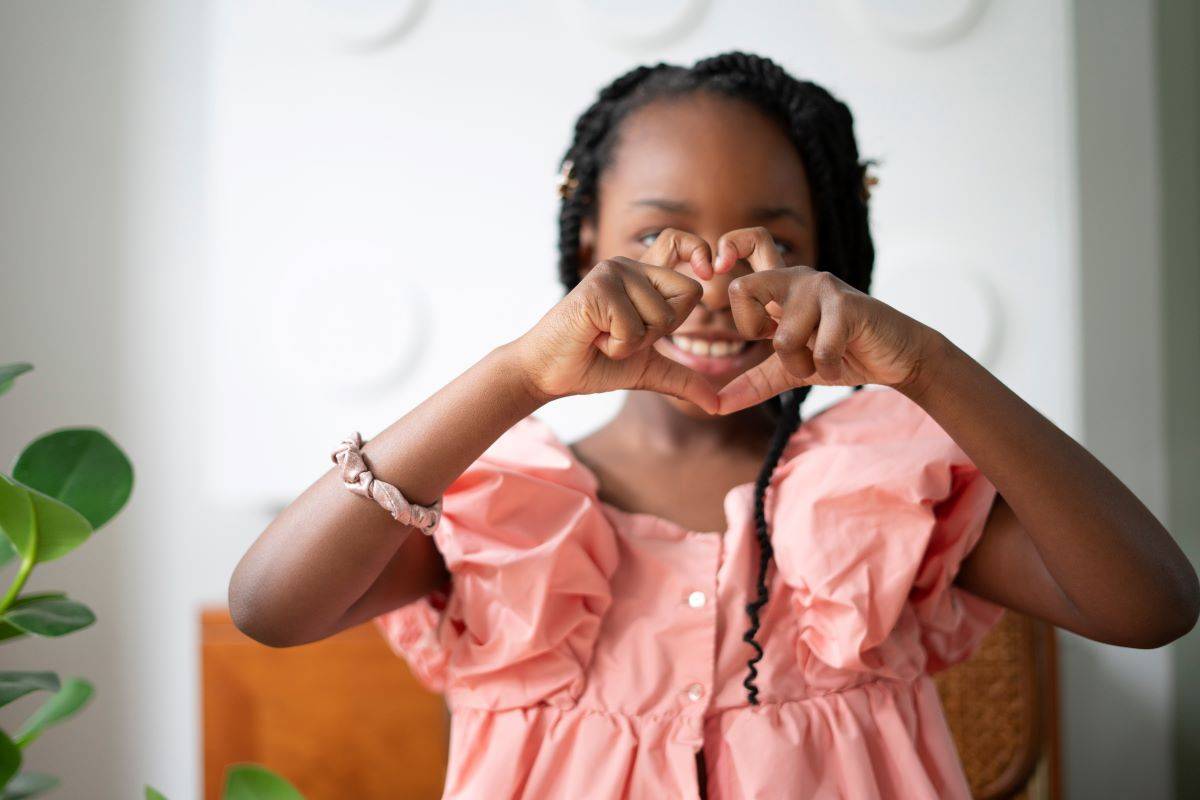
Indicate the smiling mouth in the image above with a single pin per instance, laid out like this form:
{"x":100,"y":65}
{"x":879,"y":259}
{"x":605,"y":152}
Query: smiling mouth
{"x":717,"y":357}
{"x":710,"y":348}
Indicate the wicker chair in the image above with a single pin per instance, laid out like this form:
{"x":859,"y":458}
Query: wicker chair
{"x":1002,"y":706}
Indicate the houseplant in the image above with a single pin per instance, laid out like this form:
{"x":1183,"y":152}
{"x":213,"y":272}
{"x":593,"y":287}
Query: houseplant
{"x":64,"y":486}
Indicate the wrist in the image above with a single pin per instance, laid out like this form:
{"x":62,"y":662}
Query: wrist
{"x":517,"y":374}
{"x":934,"y":358}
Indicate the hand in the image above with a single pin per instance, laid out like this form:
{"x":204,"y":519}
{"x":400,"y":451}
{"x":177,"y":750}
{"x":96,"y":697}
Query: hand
{"x":600,"y":337}
{"x":824,"y":331}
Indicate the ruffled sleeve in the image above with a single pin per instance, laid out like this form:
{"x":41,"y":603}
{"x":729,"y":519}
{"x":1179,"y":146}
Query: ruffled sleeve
{"x":954,"y":621}
{"x":531,"y":555}
{"x":873,"y":516}
{"x":412,"y":633}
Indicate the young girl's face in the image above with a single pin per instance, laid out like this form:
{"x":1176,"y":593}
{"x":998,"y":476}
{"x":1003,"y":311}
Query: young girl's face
{"x":707,"y":165}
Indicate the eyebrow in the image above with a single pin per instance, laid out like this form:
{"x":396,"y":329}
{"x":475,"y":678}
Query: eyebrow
{"x":662,"y":204}
{"x":772,"y":213}
{"x":764,"y":214}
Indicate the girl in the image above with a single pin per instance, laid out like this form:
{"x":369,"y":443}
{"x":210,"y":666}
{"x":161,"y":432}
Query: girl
{"x":658,"y":611}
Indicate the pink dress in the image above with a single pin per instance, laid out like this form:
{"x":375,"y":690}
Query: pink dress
{"x":588,"y":652}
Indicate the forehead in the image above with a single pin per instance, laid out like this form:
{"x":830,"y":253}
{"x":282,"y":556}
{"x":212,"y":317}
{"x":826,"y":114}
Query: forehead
{"x":705,"y":149}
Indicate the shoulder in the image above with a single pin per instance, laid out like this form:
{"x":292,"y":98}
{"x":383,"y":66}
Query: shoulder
{"x":875,"y":414}
{"x":876,"y":435}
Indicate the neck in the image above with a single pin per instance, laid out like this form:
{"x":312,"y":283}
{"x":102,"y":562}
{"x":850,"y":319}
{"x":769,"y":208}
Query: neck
{"x":655,"y":423}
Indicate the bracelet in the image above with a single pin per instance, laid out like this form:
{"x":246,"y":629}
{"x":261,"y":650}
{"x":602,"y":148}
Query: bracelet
{"x":358,"y":478}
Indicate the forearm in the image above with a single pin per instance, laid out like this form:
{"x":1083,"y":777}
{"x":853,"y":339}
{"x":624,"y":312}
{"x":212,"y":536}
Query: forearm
{"x":323,"y":553}
{"x":1111,"y":558}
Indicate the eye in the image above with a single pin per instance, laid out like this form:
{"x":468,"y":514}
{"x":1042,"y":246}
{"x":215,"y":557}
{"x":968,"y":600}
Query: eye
{"x":647,"y":239}
{"x":783,"y":247}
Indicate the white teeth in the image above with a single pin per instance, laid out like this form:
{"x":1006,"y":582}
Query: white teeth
{"x":716,"y":348}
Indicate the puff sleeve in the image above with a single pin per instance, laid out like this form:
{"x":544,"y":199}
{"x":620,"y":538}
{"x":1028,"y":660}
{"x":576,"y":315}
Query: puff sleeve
{"x":530,"y":555}
{"x":953,"y":621}
{"x":872,"y":519}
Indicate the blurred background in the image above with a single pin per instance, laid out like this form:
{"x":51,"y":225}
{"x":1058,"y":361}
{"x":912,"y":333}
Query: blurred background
{"x":233,"y":231}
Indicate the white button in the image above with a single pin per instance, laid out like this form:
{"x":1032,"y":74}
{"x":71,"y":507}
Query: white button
{"x":696,"y":599}
{"x":695,"y":692}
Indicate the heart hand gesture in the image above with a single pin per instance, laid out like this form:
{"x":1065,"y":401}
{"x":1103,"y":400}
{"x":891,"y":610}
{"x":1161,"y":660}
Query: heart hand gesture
{"x":824,"y":332}
{"x":600,"y":337}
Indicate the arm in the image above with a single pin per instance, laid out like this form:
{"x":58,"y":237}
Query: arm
{"x":333,"y":559}
{"x":1066,"y":541}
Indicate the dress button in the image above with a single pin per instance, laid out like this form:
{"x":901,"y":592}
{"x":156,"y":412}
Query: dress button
{"x":695,"y":692}
{"x":696,"y":599}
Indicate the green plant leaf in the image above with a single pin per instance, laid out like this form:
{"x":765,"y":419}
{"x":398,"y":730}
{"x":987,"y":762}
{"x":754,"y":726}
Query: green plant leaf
{"x":82,"y":467}
{"x":30,"y":599}
{"x":11,"y":631}
{"x":51,"y":616}
{"x":7,"y":553}
{"x":59,"y":528}
{"x":63,"y":704}
{"x":19,"y":684}
{"x":8,"y":372}
{"x":28,"y":784}
{"x":10,"y":758}
{"x":252,"y":782}
{"x":17,"y":518}
{"x":154,"y":794}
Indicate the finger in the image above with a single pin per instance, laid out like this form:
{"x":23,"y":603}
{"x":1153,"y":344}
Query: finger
{"x":622,"y":329}
{"x":756,"y":303}
{"x":760,"y":382}
{"x":679,"y":291}
{"x":669,"y":377}
{"x":656,"y":313}
{"x":674,"y":246}
{"x":754,"y":245}
{"x":791,"y":340}
{"x":829,"y":344}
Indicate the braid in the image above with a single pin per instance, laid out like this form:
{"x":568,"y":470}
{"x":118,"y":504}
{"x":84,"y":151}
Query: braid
{"x":822,"y":129}
{"x":589,"y":153}
{"x":786,"y":424}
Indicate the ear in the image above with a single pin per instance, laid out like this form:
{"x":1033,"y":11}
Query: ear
{"x":587,"y":246}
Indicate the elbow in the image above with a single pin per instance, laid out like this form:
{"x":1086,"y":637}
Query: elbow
{"x":1187,"y":607}
{"x":1163,"y":634}
{"x":1186,"y":603}
{"x":1178,"y":613}
{"x":251,"y":615}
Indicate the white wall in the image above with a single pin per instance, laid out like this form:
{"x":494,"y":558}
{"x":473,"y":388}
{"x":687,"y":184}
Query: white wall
{"x":102,"y":261}
{"x":194,"y":177}
{"x":63,"y":196}
{"x":1117,"y":700}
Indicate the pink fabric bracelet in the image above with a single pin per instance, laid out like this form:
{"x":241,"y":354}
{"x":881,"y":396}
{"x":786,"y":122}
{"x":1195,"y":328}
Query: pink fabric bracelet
{"x":358,"y":478}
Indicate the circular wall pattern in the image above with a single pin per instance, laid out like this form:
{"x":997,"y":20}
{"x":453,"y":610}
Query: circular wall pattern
{"x":959,"y":303}
{"x":636,"y":24}
{"x":368,"y":24}
{"x":918,"y":23}
{"x":349,"y":330}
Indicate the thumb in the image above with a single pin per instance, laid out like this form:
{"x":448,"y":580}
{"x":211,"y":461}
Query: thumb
{"x":760,"y":382}
{"x":665,"y":376}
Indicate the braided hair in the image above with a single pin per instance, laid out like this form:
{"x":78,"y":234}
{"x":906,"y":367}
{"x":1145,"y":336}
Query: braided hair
{"x":822,"y":130}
